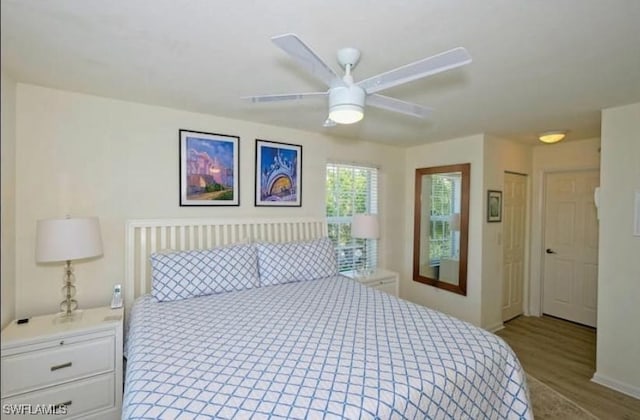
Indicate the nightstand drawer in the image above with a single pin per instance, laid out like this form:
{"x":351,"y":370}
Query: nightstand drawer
{"x":79,"y":398}
{"x":31,"y":370}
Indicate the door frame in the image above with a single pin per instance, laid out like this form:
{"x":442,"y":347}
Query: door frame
{"x":534,"y":308}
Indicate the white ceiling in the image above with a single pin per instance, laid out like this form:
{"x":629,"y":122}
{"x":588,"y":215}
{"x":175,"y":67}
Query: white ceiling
{"x":537,"y":65}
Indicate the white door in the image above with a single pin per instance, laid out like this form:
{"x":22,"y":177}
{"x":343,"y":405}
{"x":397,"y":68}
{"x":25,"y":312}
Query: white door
{"x":571,"y":246}
{"x":513,"y":233}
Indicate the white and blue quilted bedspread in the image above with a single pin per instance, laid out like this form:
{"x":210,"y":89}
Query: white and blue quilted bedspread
{"x":328,"y":348}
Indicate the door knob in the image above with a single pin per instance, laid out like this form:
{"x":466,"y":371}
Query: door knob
{"x":551,"y":251}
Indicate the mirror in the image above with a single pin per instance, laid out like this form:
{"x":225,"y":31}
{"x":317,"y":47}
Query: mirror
{"x":441,"y":224}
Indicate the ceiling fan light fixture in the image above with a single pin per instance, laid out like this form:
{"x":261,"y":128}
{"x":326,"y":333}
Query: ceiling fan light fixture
{"x":347,"y":97}
{"x":346,"y":114}
{"x":346,"y":104}
{"x":551,"y":137}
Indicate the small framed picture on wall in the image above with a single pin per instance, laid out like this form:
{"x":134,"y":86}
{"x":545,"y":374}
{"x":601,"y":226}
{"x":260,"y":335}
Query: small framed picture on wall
{"x":209,"y":169}
{"x":278,"y":174}
{"x":494,"y":206}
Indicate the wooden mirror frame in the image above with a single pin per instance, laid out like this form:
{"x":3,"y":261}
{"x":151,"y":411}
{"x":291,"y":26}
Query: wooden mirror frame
{"x":465,"y":170}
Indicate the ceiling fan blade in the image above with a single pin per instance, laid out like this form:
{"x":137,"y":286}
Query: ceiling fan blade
{"x":396,"y":105}
{"x":283,"y":97}
{"x":422,"y":68}
{"x":305,"y":57}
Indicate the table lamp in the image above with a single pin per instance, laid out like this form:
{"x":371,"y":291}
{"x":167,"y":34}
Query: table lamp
{"x":67,"y":240}
{"x":365,"y":226}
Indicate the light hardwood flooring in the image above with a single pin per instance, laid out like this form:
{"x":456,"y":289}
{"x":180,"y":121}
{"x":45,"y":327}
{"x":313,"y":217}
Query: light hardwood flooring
{"x":562,"y":355}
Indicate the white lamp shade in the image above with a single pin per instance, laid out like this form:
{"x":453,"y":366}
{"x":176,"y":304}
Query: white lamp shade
{"x":68,"y":239}
{"x":365,"y":226}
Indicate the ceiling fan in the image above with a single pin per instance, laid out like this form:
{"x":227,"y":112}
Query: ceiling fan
{"x":347,"y":98}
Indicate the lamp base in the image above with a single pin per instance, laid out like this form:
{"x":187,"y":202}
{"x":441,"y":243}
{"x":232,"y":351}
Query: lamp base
{"x":364,"y":273}
{"x":64,"y":317}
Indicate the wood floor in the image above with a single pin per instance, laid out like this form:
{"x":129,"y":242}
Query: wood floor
{"x":562,"y":355}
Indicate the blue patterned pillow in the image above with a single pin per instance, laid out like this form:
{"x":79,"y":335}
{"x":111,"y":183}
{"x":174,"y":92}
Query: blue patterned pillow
{"x":185,"y":274}
{"x":295,"y":261}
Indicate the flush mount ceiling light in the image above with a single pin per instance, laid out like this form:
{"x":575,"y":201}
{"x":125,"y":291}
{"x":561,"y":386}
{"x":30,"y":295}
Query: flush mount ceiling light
{"x":552,"y":136}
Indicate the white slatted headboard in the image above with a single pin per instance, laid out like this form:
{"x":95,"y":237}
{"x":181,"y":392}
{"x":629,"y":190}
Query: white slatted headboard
{"x":144,"y":237}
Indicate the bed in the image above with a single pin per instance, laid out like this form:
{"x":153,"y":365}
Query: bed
{"x":326,"y":347}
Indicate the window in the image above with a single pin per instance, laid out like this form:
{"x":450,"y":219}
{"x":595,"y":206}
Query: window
{"x":351,"y":190}
{"x":443,"y":237}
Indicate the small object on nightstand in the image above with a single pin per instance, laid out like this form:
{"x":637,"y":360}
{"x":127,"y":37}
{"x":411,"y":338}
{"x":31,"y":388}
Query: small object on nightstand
{"x":116,"y":300}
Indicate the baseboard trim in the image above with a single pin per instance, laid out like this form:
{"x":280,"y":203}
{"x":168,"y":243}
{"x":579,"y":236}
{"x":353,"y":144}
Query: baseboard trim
{"x":614,"y":384}
{"x":495,"y":327}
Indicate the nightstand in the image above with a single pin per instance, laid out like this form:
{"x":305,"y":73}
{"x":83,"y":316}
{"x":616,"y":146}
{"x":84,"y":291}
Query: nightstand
{"x":385,"y":280}
{"x":64,"y":370}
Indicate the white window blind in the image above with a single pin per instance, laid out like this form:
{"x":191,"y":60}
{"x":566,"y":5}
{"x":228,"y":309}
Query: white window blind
{"x":443,"y":241}
{"x":351,"y":189}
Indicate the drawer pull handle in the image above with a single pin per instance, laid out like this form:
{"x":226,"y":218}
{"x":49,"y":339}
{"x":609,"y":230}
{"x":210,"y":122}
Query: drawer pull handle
{"x":62,"y":366}
{"x":64,"y":404}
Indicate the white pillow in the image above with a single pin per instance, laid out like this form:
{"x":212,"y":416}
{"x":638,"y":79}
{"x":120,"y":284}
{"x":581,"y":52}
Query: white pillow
{"x":295,"y":261}
{"x":185,"y":274}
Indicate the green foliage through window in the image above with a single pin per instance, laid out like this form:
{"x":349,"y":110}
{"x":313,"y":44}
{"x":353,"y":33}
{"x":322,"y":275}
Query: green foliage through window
{"x":442,"y":242}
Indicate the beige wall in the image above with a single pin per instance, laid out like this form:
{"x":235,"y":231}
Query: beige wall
{"x":500,"y":155}
{"x":461,"y":150}
{"x":573,"y":155}
{"x":618,"y":352}
{"x":85,"y":155}
{"x":490,"y":157}
{"x":7,"y":202}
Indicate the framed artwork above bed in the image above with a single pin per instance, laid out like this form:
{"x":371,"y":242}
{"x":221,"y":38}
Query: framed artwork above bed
{"x":209,"y":165}
{"x":278,"y":174}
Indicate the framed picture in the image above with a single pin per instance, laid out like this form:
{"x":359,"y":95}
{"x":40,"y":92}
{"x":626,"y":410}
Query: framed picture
{"x":494,"y":206}
{"x":278,"y":174}
{"x":209,"y":169}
